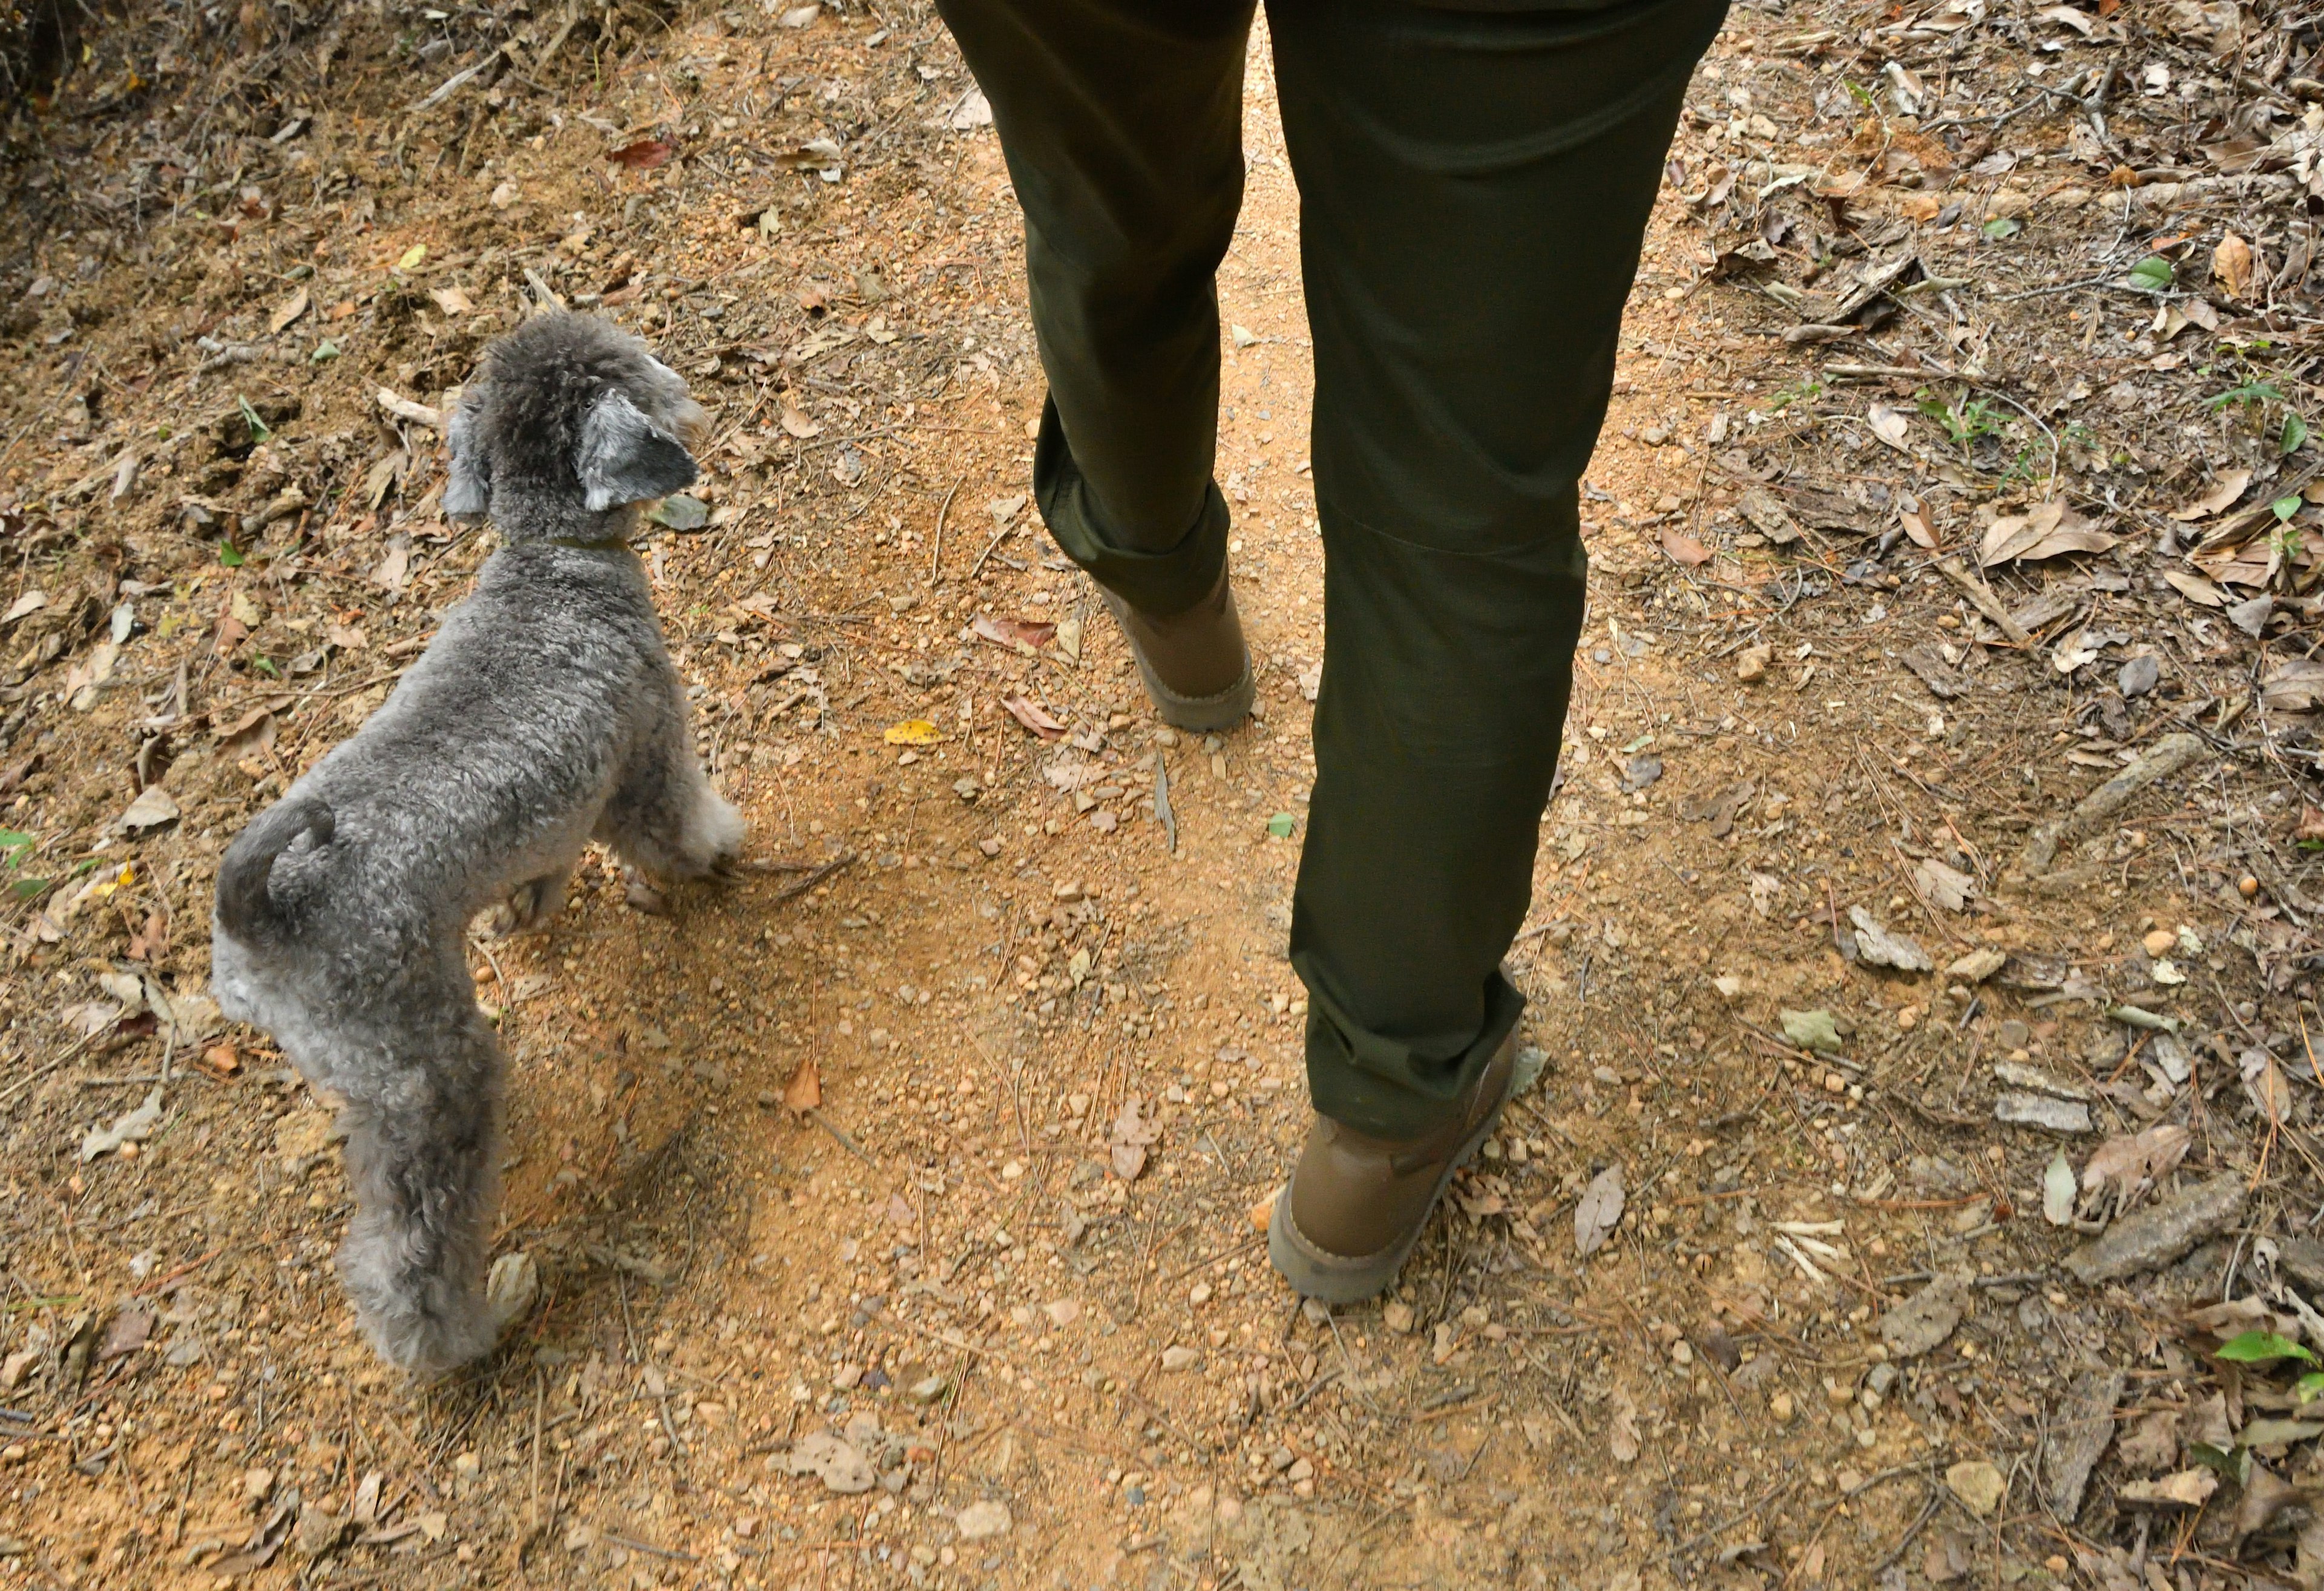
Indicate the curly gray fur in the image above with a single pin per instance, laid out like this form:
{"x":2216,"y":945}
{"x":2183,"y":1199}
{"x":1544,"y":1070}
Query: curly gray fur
{"x":546,"y":712}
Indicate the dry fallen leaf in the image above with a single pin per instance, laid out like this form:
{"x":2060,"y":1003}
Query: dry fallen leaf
{"x":1017,"y":635}
{"x":1889,"y":425}
{"x":804,"y":1092}
{"x":644,"y":154}
{"x":2195,"y":588}
{"x":2224,"y":490}
{"x":1622,"y":1435}
{"x":1029,"y":712}
{"x":1917,"y":529}
{"x":1133,"y":1133}
{"x":2046,"y":531}
{"x":799,"y":425}
{"x":1600,"y":1209}
{"x":1684,"y":548}
{"x":289,"y":310}
{"x":2295,"y":686}
{"x":2130,"y":1162}
{"x":912,"y":732}
{"x":2231,"y":264}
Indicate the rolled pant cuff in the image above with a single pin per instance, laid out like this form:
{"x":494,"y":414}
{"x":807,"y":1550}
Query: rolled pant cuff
{"x":1158,"y":583}
{"x":1384,"y":1087}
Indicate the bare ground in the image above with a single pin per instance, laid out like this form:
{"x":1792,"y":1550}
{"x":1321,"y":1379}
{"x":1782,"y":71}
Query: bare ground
{"x":1057,"y":1375}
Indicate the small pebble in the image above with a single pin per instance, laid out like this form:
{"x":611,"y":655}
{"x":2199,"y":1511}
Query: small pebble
{"x":1782,"y":1407}
{"x":2161,"y":942}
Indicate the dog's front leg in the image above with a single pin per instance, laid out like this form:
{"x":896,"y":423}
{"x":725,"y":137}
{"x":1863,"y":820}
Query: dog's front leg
{"x":423,"y":1153}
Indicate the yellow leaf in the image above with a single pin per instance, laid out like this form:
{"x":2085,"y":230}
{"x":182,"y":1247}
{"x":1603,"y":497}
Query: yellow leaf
{"x":412,"y":257}
{"x":913,"y":731}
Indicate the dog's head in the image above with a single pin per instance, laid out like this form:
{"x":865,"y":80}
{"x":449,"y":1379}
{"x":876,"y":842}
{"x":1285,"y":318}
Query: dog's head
{"x":570,"y":425}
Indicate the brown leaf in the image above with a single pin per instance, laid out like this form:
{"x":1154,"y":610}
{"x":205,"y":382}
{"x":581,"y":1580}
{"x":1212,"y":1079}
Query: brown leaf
{"x":1889,"y":425}
{"x":2131,"y":1161}
{"x":1132,"y":1134}
{"x":2189,"y":1488}
{"x":1027,"y":712}
{"x":1600,"y":1209}
{"x":289,"y":310}
{"x":644,"y":155}
{"x":801,"y":426}
{"x":2294,"y":686}
{"x":2231,"y":264}
{"x":2046,"y":531}
{"x":1684,"y":548}
{"x":2195,"y":588}
{"x":1917,"y":529}
{"x":1016,"y":635}
{"x":2224,"y":490}
{"x":1622,"y":1434}
{"x":804,"y":1092}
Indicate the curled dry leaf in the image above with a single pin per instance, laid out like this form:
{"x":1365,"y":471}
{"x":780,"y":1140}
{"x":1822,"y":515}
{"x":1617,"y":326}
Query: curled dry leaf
{"x":1600,"y":1209}
{"x":1622,"y":1433}
{"x":2128,"y":1163}
{"x":1133,"y":1134}
{"x":1889,"y":425}
{"x":804,"y":1092}
{"x":2231,"y":265}
{"x":2189,"y":1488}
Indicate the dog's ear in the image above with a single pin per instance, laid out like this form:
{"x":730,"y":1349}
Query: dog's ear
{"x":468,"y":485}
{"x":625,"y":458}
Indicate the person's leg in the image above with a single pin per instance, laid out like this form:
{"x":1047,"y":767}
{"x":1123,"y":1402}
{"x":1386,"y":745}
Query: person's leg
{"x":1121,"y":123}
{"x":1474,"y":187}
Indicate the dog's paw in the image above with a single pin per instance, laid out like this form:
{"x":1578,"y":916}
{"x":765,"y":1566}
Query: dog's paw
{"x":527,"y":907}
{"x":641,"y":895}
{"x":510,"y":1289}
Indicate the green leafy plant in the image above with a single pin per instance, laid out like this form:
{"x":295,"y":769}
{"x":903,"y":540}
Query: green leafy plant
{"x":2265,"y":1348}
{"x":2154,"y":275}
{"x":1965,"y":423}
{"x":2294,"y":433}
{"x":229,"y":556}
{"x":259,"y":429}
{"x":15,"y":846}
{"x":2250,"y":394}
{"x":265,"y":666}
{"x":2002,"y":226}
{"x":1805,"y":390}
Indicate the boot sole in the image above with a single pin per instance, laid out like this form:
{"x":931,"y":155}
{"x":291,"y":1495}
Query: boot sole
{"x":1337,"y":1279}
{"x":1201,"y":714}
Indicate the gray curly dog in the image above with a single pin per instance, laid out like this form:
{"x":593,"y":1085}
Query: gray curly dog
{"x":546,"y":712}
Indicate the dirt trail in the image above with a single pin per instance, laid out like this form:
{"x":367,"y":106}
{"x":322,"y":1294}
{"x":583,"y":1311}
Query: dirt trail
{"x":1002,"y":1281}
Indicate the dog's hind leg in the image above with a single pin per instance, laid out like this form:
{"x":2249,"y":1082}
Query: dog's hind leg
{"x":423,"y":1123}
{"x":665,"y":817}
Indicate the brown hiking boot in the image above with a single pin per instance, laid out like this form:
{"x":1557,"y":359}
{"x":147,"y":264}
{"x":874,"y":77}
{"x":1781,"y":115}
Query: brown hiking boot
{"x":1355,"y":1205}
{"x":1195,"y":663}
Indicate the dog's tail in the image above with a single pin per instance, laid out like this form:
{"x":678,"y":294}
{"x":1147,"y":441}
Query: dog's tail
{"x":247,"y":907}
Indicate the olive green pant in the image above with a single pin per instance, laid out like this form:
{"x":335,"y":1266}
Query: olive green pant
{"x":1474,"y":181}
